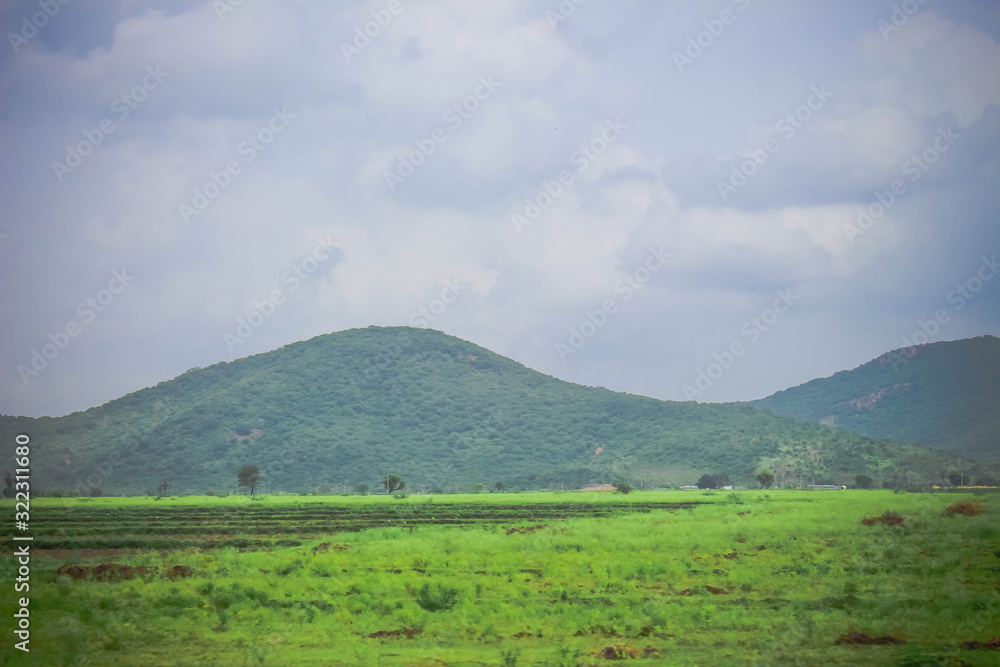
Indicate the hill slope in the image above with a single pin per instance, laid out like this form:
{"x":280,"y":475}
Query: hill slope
{"x":943,"y":395}
{"x":347,"y":407}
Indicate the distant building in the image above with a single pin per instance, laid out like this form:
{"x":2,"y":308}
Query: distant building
{"x":689,"y":488}
{"x":825,"y":486}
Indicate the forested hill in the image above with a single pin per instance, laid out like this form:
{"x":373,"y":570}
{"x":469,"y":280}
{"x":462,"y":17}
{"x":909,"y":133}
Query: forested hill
{"x":346,"y":408}
{"x":944,"y":395}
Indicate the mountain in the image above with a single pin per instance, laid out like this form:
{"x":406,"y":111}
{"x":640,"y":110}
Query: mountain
{"x":944,"y":395}
{"x":347,"y":408}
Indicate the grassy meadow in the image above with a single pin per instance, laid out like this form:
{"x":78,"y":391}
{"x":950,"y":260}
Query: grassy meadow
{"x":652,"y":577}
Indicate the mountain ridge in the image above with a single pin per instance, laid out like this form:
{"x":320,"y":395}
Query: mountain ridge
{"x":345,"y":408}
{"x":942,"y":394}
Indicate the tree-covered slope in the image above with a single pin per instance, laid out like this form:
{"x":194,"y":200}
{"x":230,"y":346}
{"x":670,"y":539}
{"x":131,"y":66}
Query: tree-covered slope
{"x":348,"y":407}
{"x":943,"y":395}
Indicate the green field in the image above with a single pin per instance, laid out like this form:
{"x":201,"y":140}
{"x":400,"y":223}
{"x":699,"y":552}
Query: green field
{"x":653,"y":577}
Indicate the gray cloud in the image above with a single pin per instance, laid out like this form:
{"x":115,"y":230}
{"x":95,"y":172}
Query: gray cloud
{"x":323,"y":176}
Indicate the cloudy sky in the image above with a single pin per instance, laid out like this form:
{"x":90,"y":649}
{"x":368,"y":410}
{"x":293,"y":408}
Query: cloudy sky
{"x":616,"y":193}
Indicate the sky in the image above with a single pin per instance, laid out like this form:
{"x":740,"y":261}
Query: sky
{"x":705,"y":201}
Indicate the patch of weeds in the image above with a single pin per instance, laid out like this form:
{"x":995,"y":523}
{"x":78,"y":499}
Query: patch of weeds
{"x":509,"y":658}
{"x":436,"y":598}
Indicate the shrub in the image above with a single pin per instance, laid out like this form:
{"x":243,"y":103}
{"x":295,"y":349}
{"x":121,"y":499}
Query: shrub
{"x":436,"y":598}
{"x":622,"y":487}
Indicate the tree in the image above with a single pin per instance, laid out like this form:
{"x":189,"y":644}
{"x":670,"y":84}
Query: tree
{"x":955,"y":478}
{"x":162,"y":488}
{"x":363,"y":489}
{"x":8,"y":481}
{"x":248,"y":476}
{"x":394,"y":483}
{"x":765,"y":478}
{"x":478,"y":488}
{"x":622,"y":487}
{"x":499,"y":486}
{"x":863,"y":482}
{"x":707,"y":481}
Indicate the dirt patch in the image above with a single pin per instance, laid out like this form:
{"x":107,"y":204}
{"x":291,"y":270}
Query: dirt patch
{"x":686,"y":591}
{"x":116,"y":572}
{"x":888,"y":518}
{"x":716,"y":591}
{"x":103,"y":572}
{"x":625,"y":652}
{"x":865,"y":639}
{"x":327,"y":546}
{"x":992,"y":644}
{"x":179,"y":572}
{"x":87,"y":553}
{"x":965,"y":507}
{"x":866,"y":402}
{"x":525,"y":530}
{"x":409,"y":633}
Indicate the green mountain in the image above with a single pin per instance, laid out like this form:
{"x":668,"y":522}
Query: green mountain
{"x":347,"y":408}
{"x":943,"y":395}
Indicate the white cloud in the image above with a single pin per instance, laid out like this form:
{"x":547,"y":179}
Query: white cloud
{"x":939,"y":66}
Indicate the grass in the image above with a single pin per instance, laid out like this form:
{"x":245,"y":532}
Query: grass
{"x":756,"y":578}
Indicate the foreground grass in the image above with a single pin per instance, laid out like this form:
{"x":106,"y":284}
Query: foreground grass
{"x":789,"y":572}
